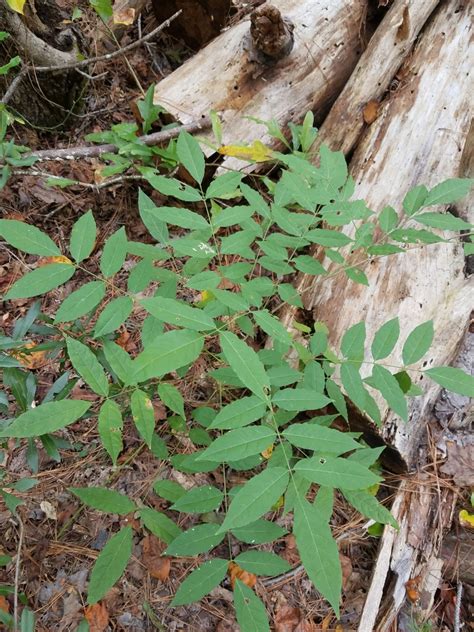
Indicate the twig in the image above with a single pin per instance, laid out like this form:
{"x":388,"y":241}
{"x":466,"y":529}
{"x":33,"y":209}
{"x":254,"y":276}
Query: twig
{"x":72,"y":153}
{"x":108,"y":56}
{"x":17,"y":573}
{"x":457,"y":608}
{"x":12,"y":87}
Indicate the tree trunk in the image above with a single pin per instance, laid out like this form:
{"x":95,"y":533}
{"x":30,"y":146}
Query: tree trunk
{"x":45,"y":100}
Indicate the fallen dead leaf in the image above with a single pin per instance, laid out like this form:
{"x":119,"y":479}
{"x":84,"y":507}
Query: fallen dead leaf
{"x":346,"y":566}
{"x":460,"y":464}
{"x":124,"y":16}
{"x":97,"y":617}
{"x":307,"y":626}
{"x":33,"y":360}
{"x":49,"y":510}
{"x":157,"y":565}
{"x":235,"y":572}
{"x":287,"y":618}
{"x":59,"y":259}
{"x":4,"y":605}
{"x":371,"y":112}
{"x":290,"y":552}
{"x":412,"y":589}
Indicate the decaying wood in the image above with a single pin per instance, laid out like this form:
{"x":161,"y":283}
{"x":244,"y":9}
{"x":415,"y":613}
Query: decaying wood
{"x":271,"y":35}
{"x":223,"y":77}
{"x":368,"y":83}
{"x":418,"y":138}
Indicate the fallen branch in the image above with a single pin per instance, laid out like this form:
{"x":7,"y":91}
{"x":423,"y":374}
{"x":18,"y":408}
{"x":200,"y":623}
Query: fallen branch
{"x":73,"y":153}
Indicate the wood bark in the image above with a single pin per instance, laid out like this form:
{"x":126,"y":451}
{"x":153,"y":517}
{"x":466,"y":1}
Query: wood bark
{"x":224,"y":77}
{"x":418,"y":138}
{"x":46,"y":101}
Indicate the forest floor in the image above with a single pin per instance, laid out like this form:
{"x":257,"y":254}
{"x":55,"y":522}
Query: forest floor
{"x":57,"y":540}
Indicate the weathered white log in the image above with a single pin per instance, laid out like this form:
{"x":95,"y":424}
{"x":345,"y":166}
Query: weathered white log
{"x":419,"y":138}
{"x":391,"y":43}
{"x":223,"y":77}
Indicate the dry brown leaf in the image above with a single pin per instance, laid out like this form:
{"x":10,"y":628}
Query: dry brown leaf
{"x":59,"y":259}
{"x":4,"y":605}
{"x":97,"y":617}
{"x":371,"y":111}
{"x":460,"y":464}
{"x":287,"y":618}
{"x":33,"y":360}
{"x":290,"y":552}
{"x":235,"y":572}
{"x":307,"y":626}
{"x":346,"y":566}
{"x":124,"y":16}
{"x":157,"y":565}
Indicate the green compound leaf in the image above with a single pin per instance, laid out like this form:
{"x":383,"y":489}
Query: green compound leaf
{"x":201,"y":582}
{"x":370,"y":507}
{"x":448,"y":191}
{"x":167,"y":353}
{"x":336,"y":472}
{"x":414,"y":199}
{"x":249,"y":610}
{"x":159,"y":524}
{"x":444,"y":221}
{"x":297,"y":399}
{"x":169,"y":490}
{"x":27,"y":238}
{"x":41,"y":280}
{"x":104,"y":499}
{"x":388,"y":385}
{"x":83,"y":236}
{"x":120,"y":362}
{"x":418,"y":342}
{"x":239,"y":444}
{"x":114,"y":253}
{"x":259,"y":532}
{"x":239,"y":413}
{"x":353,"y":341}
{"x":255,"y":498}
{"x":171,"y":398}
{"x":190,"y":155}
{"x":81,"y":302}
{"x":110,"y":427}
{"x":114,"y":314}
{"x":46,"y":418}
{"x":199,"y":539}
{"x":199,"y":500}
{"x":314,"y":437}
{"x":318,"y":551}
{"x":143,"y":415}
{"x":272,"y":326}
{"x":88,"y":367}
{"x":110,"y":564}
{"x":262,"y":563}
{"x":246,"y":364}
{"x":178,"y":313}
{"x":453,"y":379}
{"x":385,"y":339}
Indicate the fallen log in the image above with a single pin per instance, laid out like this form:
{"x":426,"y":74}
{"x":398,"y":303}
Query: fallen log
{"x":228,"y":77}
{"x":418,"y":138}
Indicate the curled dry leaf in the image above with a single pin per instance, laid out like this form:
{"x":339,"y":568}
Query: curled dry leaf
{"x":97,"y":617}
{"x":157,"y":565}
{"x":59,"y":259}
{"x":235,"y":572}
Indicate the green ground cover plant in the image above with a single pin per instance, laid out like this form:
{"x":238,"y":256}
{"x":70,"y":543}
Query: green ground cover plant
{"x":209,"y":288}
